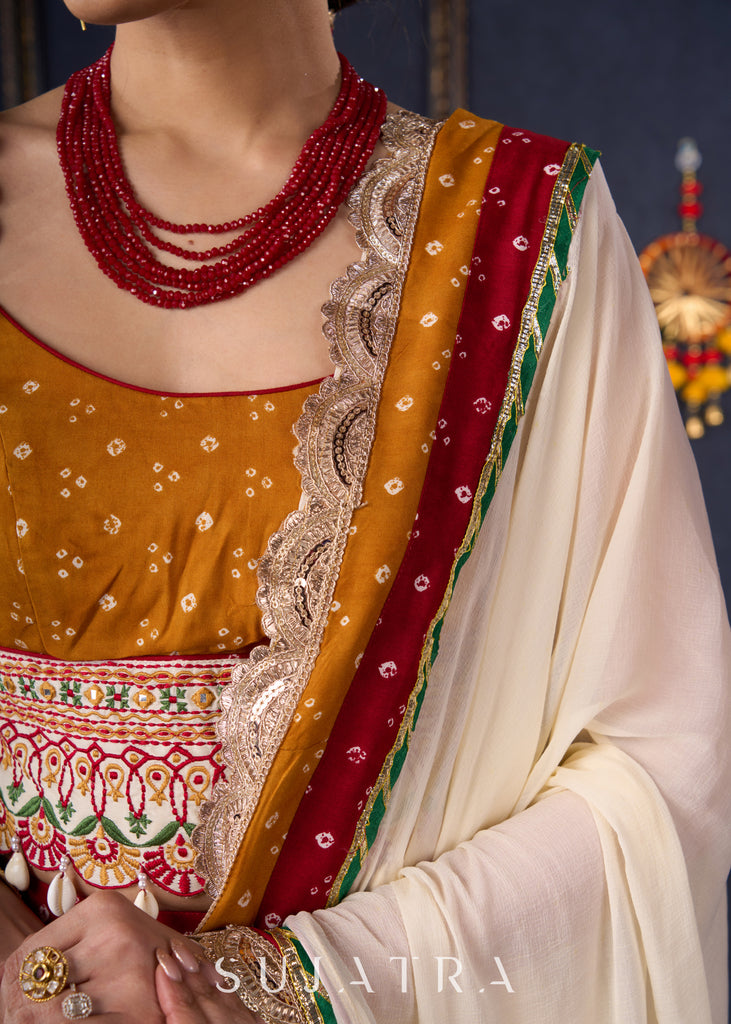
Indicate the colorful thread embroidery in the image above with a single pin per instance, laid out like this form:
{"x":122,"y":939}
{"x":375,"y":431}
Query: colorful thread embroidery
{"x":109,"y":762}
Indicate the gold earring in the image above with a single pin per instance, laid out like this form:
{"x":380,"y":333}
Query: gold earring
{"x":83,"y":25}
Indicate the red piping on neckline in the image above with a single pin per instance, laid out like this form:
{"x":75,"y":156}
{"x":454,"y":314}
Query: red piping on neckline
{"x":152,"y":391}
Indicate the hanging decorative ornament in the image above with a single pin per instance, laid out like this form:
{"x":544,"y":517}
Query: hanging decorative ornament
{"x":125,"y":238}
{"x":689,"y":277}
{"x":144,"y":900}
{"x":61,"y":892}
{"x":16,"y":870}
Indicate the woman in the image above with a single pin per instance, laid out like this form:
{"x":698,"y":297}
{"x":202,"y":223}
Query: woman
{"x":549,"y":840}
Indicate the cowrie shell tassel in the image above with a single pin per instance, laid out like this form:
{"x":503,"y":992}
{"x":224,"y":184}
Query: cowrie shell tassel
{"x":147,"y":902}
{"x":144,"y":900}
{"x":16,"y":870}
{"x":61,"y":892}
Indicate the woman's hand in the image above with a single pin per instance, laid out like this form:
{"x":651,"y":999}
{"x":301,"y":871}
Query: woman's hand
{"x":187,"y":993}
{"x":110,"y":947}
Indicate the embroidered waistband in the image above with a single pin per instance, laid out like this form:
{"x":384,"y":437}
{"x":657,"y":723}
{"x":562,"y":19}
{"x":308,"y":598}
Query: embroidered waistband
{"x":138,"y":685}
{"x":108,"y":763}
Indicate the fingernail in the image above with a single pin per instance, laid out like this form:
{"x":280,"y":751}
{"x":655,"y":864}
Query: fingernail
{"x":168,"y":965}
{"x":210,"y":973}
{"x":187,"y":960}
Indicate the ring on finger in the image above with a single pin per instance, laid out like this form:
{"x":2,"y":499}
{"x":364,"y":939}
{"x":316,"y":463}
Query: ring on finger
{"x":76,"y":1005}
{"x":43,"y":974}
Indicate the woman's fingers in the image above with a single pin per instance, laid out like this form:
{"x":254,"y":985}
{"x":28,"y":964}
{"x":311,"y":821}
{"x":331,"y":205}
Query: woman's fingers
{"x":190,"y":959}
{"x":191,"y":997}
{"x":176,"y":1000}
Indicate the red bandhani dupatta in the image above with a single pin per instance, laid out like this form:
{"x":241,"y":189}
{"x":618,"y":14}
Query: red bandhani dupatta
{"x":527,"y":218}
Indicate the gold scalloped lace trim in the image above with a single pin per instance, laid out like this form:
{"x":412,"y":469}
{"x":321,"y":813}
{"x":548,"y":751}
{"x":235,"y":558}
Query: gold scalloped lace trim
{"x":335,"y":434}
{"x":270,"y":983}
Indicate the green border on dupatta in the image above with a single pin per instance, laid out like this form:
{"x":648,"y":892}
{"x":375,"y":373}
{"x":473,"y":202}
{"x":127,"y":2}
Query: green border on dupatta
{"x":314,"y":1001}
{"x":550,"y":270}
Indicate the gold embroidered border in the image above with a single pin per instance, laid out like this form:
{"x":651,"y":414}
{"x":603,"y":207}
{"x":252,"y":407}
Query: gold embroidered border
{"x":269,"y":981}
{"x":335,"y":434}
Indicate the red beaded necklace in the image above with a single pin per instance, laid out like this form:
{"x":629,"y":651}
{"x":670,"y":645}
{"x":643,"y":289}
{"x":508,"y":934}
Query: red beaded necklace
{"x":120,"y":234}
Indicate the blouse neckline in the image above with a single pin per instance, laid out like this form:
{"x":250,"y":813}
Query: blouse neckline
{"x":88,"y":371}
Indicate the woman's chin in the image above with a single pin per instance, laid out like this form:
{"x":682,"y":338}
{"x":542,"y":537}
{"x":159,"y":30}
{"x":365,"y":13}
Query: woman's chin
{"x":119,"y":12}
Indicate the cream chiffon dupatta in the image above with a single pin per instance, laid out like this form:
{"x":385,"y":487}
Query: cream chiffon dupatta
{"x":556,"y":847}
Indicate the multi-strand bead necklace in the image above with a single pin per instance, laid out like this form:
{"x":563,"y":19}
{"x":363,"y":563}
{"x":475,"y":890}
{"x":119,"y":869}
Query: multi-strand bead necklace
{"x":122,"y":235}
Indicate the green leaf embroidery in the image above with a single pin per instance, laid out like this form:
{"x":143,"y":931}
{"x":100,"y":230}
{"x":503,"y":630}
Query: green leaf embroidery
{"x":65,"y":813}
{"x":85,"y":826}
{"x":15,"y":792}
{"x":138,"y":826}
{"x":27,"y":810}
{"x":114,"y":833}
{"x":51,"y":814}
{"x":165,"y":834}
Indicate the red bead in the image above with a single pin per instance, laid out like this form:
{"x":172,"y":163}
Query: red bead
{"x":691,"y":187}
{"x":690,"y":209}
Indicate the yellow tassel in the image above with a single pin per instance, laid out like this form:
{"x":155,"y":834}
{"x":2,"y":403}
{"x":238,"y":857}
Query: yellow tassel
{"x":694,"y":392}
{"x":678,"y":374}
{"x":714,"y":378}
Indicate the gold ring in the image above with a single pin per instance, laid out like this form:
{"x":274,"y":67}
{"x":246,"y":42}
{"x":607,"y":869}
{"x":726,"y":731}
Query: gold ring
{"x":43,"y":974}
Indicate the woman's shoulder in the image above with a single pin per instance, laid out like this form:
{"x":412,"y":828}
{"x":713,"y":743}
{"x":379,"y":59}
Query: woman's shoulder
{"x":29,"y":187}
{"x":28,"y":141}
{"x":37,"y":115}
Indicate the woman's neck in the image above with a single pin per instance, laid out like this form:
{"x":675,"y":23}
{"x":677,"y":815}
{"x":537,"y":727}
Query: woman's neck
{"x":229,"y":74}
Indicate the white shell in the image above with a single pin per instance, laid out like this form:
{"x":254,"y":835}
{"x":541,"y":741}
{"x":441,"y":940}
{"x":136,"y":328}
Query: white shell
{"x":69,"y":896}
{"x":61,"y":895}
{"x":16,"y":872}
{"x":147,"y":902}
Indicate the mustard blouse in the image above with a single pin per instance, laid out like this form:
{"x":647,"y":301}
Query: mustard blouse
{"x":131,"y":520}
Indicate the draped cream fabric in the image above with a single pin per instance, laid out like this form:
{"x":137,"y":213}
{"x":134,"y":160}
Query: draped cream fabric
{"x":564,"y":806}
